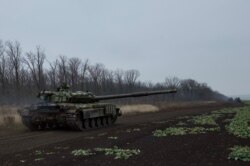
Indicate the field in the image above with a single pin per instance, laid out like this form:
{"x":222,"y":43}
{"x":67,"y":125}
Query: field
{"x":189,"y":134}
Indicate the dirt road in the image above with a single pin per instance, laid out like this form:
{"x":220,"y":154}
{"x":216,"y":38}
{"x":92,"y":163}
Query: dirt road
{"x":133,"y":131}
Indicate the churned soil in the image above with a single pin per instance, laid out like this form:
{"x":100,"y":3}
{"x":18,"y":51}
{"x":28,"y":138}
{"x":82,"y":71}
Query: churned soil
{"x":130,"y":132}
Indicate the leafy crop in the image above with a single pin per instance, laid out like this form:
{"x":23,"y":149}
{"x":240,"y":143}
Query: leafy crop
{"x":182,"y":131}
{"x":240,"y":124}
{"x":226,"y":111}
{"x":181,"y":123}
{"x":247,"y":102}
{"x":39,"y":159}
{"x":170,"y":131}
{"x":112,"y":137}
{"x":240,"y":153}
{"x":82,"y":152}
{"x":119,"y":153}
{"x":39,"y":155}
{"x":205,"y":119}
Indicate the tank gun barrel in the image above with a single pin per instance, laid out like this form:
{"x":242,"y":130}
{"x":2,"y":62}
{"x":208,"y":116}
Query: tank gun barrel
{"x":136,"y":94}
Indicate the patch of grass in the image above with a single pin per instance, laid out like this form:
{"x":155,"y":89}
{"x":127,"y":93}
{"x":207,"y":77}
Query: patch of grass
{"x":160,"y":122}
{"x":136,"y":129}
{"x":82,"y":152}
{"x":170,"y":131}
{"x":183,"y":131}
{"x":240,"y":153}
{"x":59,"y":147}
{"x":240,"y":124}
{"x":50,"y":153}
{"x":38,"y":152}
{"x":39,"y":159}
{"x":205,"y":119}
{"x":226,"y":111}
{"x":39,"y":155}
{"x":102,"y":134}
{"x":184,"y":117}
{"x":112,"y":137}
{"x":247,"y":102}
{"x":181,"y":123}
{"x":130,"y":130}
{"x":119,"y":153}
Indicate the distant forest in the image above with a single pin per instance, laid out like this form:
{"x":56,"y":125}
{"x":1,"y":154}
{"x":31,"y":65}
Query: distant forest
{"x":23,"y":74}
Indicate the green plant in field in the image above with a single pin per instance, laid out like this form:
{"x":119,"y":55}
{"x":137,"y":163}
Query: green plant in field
{"x":240,"y":153}
{"x":240,"y":124}
{"x":136,"y":129}
{"x":181,"y":124}
{"x":38,"y":152}
{"x":226,"y":111}
{"x":119,"y":153}
{"x":58,"y":147}
{"x":183,"y":131}
{"x":39,"y":155}
{"x":50,"y":153}
{"x":197,"y":130}
{"x":247,"y":102}
{"x":82,"y":152}
{"x":205,"y":119}
{"x":170,"y":131}
{"x":39,"y":159}
{"x":112,"y":137}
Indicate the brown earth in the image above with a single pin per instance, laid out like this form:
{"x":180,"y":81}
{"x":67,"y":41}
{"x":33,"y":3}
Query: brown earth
{"x":132,"y":132}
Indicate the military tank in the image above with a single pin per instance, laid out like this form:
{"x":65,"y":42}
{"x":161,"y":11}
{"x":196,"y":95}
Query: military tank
{"x":74,"y":110}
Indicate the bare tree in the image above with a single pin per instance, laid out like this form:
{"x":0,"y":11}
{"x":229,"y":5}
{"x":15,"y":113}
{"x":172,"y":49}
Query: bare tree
{"x":13,"y":50}
{"x":172,"y":82}
{"x":95,"y":74}
{"x":63,"y":69}
{"x":74,"y":68}
{"x":83,"y":74}
{"x":130,"y":77}
{"x":2,"y":67}
{"x":35,"y":62}
{"x":2,"y":49}
{"x":52,"y":74}
{"x":118,"y":78}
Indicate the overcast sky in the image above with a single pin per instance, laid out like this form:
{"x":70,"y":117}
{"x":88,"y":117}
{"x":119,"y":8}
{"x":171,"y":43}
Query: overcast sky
{"x":208,"y":41}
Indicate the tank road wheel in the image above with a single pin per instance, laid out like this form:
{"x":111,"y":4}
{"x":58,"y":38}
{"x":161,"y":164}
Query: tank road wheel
{"x":42,"y":126}
{"x":113,"y":119}
{"x":108,"y":120}
{"x":79,"y":121}
{"x":103,"y":121}
{"x":79,"y":125}
{"x":32,"y":127}
{"x":86,"y":123}
{"x":92,"y":122}
{"x":98,"y":122}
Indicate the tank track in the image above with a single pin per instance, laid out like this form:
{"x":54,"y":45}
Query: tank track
{"x":27,"y":121}
{"x":76,"y":122}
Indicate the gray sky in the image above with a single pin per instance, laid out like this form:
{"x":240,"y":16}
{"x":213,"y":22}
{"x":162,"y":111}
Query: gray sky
{"x":208,"y":41}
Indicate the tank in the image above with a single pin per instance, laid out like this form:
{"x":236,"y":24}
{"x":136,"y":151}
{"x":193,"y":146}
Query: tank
{"x":75,"y":110}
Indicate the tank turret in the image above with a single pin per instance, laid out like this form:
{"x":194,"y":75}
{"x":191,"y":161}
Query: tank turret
{"x":76,"y":110}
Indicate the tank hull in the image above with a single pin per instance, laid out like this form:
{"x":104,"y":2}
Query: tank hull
{"x":72,"y":116}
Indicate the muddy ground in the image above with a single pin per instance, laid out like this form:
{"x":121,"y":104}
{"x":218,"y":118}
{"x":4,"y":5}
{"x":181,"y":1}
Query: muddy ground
{"x":130,"y":132}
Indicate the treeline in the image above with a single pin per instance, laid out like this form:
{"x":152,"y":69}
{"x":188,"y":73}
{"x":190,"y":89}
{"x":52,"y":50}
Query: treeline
{"x":23,"y":74}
